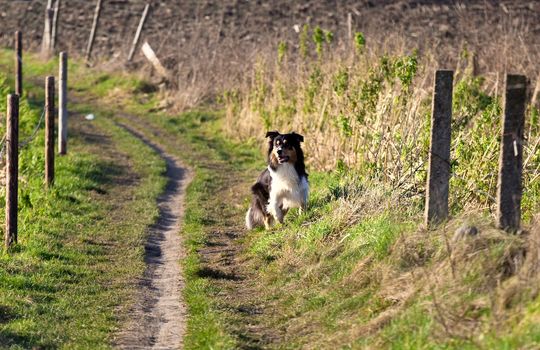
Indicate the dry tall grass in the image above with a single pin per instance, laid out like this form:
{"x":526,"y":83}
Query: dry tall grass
{"x":367,"y":107}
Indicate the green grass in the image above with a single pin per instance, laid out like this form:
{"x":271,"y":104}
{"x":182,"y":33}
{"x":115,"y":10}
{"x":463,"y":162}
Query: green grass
{"x":356,"y":271}
{"x":356,"y":255}
{"x":69,"y":280}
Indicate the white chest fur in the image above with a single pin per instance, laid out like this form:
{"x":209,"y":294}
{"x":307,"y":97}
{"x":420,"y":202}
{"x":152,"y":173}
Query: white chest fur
{"x":287,"y":190}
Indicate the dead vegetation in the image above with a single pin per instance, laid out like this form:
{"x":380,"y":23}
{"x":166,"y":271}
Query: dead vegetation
{"x":210,"y":45}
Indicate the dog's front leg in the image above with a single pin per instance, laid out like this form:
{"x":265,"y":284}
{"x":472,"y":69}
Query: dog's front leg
{"x":268,"y":219}
{"x":302,"y":209}
{"x":274,"y":209}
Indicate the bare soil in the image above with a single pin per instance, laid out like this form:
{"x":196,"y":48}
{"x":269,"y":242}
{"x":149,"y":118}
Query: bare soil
{"x":210,"y":46}
{"x":157,"y":321}
{"x":239,"y":29}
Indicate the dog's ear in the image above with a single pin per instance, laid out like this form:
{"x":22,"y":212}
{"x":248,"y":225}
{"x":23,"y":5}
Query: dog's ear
{"x":298,"y":137}
{"x":272,"y":134}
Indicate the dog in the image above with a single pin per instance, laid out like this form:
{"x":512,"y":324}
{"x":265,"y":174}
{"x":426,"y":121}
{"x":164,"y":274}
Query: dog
{"x":282,"y":185}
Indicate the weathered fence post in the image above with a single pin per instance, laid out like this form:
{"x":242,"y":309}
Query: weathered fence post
{"x":62,"y":104}
{"x":54,"y":30}
{"x":138,"y":33}
{"x":439,"y":155}
{"x":93,"y":31}
{"x":49,"y":131}
{"x":18,"y":64}
{"x":47,"y":31}
{"x":151,"y":56}
{"x":12,"y":169}
{"x":511,"y":156}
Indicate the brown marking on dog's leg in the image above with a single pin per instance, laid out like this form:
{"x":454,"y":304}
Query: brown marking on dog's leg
{"x":268,"y":222}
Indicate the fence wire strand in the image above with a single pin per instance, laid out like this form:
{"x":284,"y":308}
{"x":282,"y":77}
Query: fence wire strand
{"x":34,"y":132}
{"x":27,"y":141}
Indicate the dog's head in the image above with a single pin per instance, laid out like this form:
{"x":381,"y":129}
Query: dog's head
{"x":284,"y":148}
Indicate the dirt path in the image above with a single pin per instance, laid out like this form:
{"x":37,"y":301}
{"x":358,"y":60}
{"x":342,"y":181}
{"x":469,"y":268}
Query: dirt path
{"x":157,"y":320}
{"x":221,"y":258}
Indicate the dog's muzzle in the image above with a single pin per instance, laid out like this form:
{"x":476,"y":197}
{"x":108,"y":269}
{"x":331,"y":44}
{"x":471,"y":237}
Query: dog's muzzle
{"x":281,"y":157}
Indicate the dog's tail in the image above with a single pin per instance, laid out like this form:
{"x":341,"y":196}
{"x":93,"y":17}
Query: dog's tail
{"x":249,"y":220}
{"x":256,"y":212}
{"x":254,"y":217}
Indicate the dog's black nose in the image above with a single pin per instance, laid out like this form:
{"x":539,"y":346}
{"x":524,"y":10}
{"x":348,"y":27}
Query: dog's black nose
{"x":279,"y":151}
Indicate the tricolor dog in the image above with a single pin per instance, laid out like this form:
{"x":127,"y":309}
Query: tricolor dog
{"x":284,"y":183}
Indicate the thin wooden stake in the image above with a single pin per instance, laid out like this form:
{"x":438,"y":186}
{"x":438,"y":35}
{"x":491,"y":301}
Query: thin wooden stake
{"x":439,"y":156}
{"x":54,"y":31}
{"x":511,"y":156}
{"x":349,"y":27}
{"x":138,"y":33}
{"x":12,"y":169}
{"x":62,"y":104}
{"x":93,"y":31}
{"x":18,"y":64}
{"x":49,"y":131}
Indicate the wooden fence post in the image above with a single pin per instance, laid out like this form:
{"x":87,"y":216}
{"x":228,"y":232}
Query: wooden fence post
{"x":18,"y":63}
{"x":138,"y":33}
{"x":54,"y":30}
{"x":93,"y":31}
{"x":49,"y":131}
{"x":151,"y":56}
{"x":439,"y":155}
{"x":12,"y":169}
{"x":511,"y":155}
{"x":47,"y":31}
{"x":62,"y":104}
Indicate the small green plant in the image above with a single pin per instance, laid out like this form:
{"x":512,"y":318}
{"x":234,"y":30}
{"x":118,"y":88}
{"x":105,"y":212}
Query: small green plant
{"x":304,"y":41}
{"x":405,"y":69}
{"x":282,"y":51}
{"x":359,"y":42}
{"x":314,"y":85}
{"x":320,"y":37}
{"x":341,"y":81}
{"x":344,"y":124}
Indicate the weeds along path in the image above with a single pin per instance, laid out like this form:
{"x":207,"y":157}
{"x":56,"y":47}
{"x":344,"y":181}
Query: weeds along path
{"x":222,"y":267}
{"x":157,"y":320}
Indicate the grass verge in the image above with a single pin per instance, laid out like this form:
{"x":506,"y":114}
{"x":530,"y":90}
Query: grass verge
{"x":81,"y":243}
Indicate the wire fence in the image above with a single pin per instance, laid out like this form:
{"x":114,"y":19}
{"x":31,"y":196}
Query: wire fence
{"x":27,"y":141}
{"x":33,"y":135}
